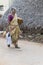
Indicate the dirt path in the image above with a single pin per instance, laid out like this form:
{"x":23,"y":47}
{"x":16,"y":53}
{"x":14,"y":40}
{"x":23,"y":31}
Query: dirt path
{"x":30,"y":53}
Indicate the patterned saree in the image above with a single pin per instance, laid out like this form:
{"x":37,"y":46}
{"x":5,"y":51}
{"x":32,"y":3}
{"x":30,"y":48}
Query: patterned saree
{"x":14,"y":29}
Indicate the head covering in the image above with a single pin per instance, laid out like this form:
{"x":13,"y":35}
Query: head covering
{"x":13,"y":8}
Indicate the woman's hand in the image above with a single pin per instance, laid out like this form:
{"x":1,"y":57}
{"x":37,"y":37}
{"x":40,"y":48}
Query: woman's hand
{"x":21,"y":32}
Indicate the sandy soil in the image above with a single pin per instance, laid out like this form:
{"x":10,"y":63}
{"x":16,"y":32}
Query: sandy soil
{"x":30,"y":53}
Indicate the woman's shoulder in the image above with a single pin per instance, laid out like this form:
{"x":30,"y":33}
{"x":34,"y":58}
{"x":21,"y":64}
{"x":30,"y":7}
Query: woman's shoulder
{"x":9,"y":15}
{"x":16,"y":15}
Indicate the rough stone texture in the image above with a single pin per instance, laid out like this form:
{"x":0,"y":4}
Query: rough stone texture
{"x":31,"y":11}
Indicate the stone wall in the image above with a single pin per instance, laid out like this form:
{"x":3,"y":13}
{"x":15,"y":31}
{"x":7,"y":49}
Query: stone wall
{"x":31,"y":11}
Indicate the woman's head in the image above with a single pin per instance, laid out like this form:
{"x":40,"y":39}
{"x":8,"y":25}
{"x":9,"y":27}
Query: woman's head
{"x":13,"y":11}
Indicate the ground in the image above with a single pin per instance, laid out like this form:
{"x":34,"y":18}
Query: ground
{"x":30,"y":53}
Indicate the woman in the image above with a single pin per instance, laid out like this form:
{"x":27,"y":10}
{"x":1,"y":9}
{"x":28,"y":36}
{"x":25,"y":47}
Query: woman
{"x":13,"y":27}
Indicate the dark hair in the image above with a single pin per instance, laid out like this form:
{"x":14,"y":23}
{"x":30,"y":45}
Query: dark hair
{"x":13,"y":9}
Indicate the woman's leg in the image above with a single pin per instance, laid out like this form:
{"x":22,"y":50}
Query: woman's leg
{"x":15,"y":44}
{"x":15,"y":38}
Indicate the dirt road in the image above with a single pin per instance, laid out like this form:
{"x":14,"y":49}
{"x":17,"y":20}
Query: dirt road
{"x":30,"y":53}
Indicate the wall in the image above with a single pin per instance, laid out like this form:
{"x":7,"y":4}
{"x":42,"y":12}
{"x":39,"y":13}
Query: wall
{"x":5,"y":4}
{"x":31,"y":11}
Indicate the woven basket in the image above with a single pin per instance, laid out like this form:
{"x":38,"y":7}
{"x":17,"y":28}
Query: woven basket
{"x":20,"y":20}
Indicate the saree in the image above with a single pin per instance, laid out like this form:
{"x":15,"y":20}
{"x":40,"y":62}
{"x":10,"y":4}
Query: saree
{"x":14,"y":29}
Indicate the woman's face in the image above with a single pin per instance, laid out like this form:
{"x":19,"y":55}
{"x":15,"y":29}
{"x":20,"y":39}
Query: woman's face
{"x":13,"y":11}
